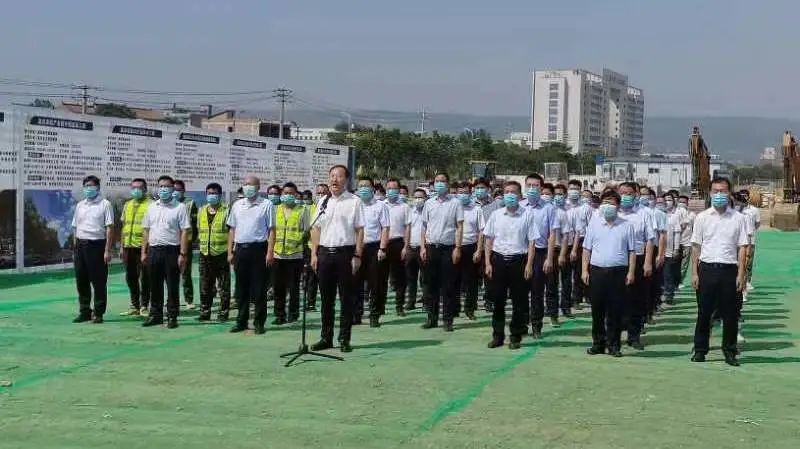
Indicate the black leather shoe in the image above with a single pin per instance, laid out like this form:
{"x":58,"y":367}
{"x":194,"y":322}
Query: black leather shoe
{"x":259,"y":329}
{"x":222,"y":316}
{"x":238,"y":328}
{"x":374,"y":321}
{"x":292,"y":319}
{"x":429,"y":325}
{"x":279,"y":321}
{"x":410,"y":306}
{"x":568,"y":314}
{"x":448,"y":326}
{"x":536,"y":333}
{"x":495,"y":343}
{"x":321,"y":345}
{"x":594,"y":350}
{"x":699,"y":357}
{"x":470,"y":316}
{"x":615,"y":353}
{"x":153,"y":322}
{"x":204,"y":316}
{"x":98,"y":319}
{"x":357,"y":321}
{"x":401,"y":312}
{"x":81,"y":318}
{"x":730,"y":359}
{"x":172,"y":323}
{"x":636,"y":344}
{"x":514,"y":344}
{"x":554,"y":321}
{"x":345,"y":346}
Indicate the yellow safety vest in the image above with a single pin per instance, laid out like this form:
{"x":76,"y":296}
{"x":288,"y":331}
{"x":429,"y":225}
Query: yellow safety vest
{"x":132,"y":215}
{"x":289,"y":231}
{"x":312,"y":210}
{"x":214,"y":235}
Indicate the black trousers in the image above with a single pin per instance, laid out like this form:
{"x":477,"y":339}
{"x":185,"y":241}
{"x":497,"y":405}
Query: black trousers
{"x":672,"y":274}
{"x":397,"y":270}
{"x":636,"y":301}
{"x":538,"y":282}
{"x":412,"y":268}
{"x":137,"y":278}
{"x":607,"y":291}
{"x":552,"y":280}
{"x":579,"y":290}
{"x":215,"y":273}
{"x":508,"y":273}
{"x":717,"y":291}
{"x":287,"y":277}
{"x":367,"y":281}
{"x":469,"y":276}
{"x":335,"y":271}
{"x":91,"y":276}
{"x":441,"y":283}
{"x":250,"y":264}
{"x":186,"y":279}
{"x":310,"y":281}
{"x":163,"y":263}
{"x":565,"y":275}
{"x":656,"y":287}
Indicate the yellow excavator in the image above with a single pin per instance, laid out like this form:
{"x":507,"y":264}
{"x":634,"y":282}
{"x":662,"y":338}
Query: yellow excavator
{"x":701,"y":160}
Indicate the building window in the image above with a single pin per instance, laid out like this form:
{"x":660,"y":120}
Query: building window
{"x":652,"y":170}
{"x":553,"y":112}
{"x":552,"y":136}
{"x":553,"y":94}
{"x":552,"y":119}
{"x":553,"y":86}
{"x":552,"y":128}
{"x":553,"y":103}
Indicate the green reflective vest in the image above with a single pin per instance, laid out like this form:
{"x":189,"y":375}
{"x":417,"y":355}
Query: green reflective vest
{"x":289,"y":231}
{"x":213,"y":235}
{"x":132,"y":215}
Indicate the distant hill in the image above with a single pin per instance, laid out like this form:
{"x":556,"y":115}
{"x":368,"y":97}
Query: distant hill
{"x":736,"y":139}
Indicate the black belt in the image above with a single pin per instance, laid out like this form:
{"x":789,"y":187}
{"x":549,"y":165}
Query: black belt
{"x":441,"y":246}
{"x":727,"y":266}
{"x":249,"y":245}
{"x":396,"y":239}
{"x":595,"y":267}
{"x":510,"y":257}
{"x":337,"y":249}
{"x":91,"y":242}
{"x":164,"y":247}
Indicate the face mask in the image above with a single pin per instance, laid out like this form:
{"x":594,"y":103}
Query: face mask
{"x":137,"y":193}
{"x":274,"y":198}
{"x":177,"y":195}
{"x":90,"y":191}
{"x":440,"y":187}
{"x":533,"y":194}
{"x":165,"y":193}
{"x":288,"y":199}
{"x":644,"y":201}
{"x":212,"y":198}
{"x":670,"y":204}
{"x":682,"y":205}
{"x":480,"y":193}
{"x":547,"y":199}
{"x":402,"y":198}
{"x":609,"y":211}
{"x":249,"y":191}
{"x":392,"y":194}
{"x":419,"y":202}
{"x":626,"y":201}
{"x":379,"y":197}
{"x":465,"y":198}
{"x":661,"y":206}
{"x":559,"y":200}
{"x":573,"y":195}
{"x":584,"y":200}
{"x":510,"y":199}
{"x":719,"y":199}
{"x":365,"y":193}
{"x":308,"y":202}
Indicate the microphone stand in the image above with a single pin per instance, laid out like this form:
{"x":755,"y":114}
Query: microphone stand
{"x":303,"y":348}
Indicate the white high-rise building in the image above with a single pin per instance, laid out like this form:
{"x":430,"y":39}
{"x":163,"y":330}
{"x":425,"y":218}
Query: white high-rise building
{"x":587,"y":111}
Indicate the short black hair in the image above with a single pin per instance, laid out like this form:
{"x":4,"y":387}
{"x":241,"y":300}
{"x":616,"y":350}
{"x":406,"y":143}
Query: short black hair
{"x":179,"y":182}
{"x":421,"y":191}
{"x":575,"y":182}
{"x":166,"y":178}
{"x":549,"y":186}
{"x":308,"y":192}
{"x":745,"y":192}
{"x":683,"y":197}
{"x":346,"y":171}
{"x":630,"y":184}
{"x":290,"y":185}
{"x":595,"y":199}
{"x":274,"y":186}
{"x":535,"y":176}
{"x":464,"y":185}
{"x":214,"y":186}
{"x":393,"y":180}
{"x":442,"y":173}
{"x":513,"y":183}
{"x":610,"y":194}
{"x":721,"y":180}
{"x":92,"y":178}
{"x":144,"y":183}
{"x":403,"y":187}
{"x":379,"y":188}
{"x":368,"y":179}
{"x":561,"y":187}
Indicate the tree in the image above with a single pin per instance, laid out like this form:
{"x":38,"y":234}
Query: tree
{"x":39,"y":103}
{"x":114,"y":110}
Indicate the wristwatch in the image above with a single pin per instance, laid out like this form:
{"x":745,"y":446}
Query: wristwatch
{"x":356,"y":256}
{"x":183,"y":254}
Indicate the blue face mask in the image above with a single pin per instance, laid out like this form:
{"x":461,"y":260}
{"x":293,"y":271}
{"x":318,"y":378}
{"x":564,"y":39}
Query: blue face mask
{"x":510,"y":199}
{"x":465,"y":198}
{"x":289,"y":200}
{"x":609,"y":211}
{"x":719,"y":200}
{"x":249,"y":191}
{"x":573,"y":195}
{"x":559,"y":200}
{"x":274,"y":198}
{"x":584,"y":200}
{"x":392,"y":194}
{"x":440,"y":187}
{"x":178,"y":196}
{"x":212,"y":198}
{"x":661,"y":206}
{"x":626,"y":201}
{"x":365,"y":193}
{"x":547,"y":199}
{"x":165,"y":193}
{"x":533,"y":194}
{"x":90,"y":191}
{"x":644,"y":201}
{"x":480,"y":192}
{"x":137,"y":193}
{"x":403,"y":198}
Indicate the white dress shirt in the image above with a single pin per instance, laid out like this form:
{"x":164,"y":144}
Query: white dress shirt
{"x":398,"y":218}
{"x":415,"y":221}
{"x":376,"y":217}
{"x":675,"y":220}
{"x":755,"y":215}
{"x":91,"y":218}
{"x":577,"y":217}
{"x":340,"y":219}
{"x":440,"y":218}
{"x":643,"y":229}
{"x":565,"y":228}
{"x":511,"y":232}
{"x":719,"y":235}
{"x":473,"y":224}
{"x":686,"y":235}
{"x":164,"y":222}
{"x":251,"y":220}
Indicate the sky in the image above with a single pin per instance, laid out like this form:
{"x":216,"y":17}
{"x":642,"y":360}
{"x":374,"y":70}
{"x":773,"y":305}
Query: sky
{"x":698,"y":58}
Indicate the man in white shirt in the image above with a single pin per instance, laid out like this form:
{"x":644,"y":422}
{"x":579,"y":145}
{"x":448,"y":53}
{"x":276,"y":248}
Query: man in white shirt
{"x":165,"y":245}
{"x":686,"y":236}
{"x":252,"y":231}
{"x":676,"y":222}
{"x":719,"y":251}
{"x":578,"y":213}
{"x":413,"y":241}
{"x":372,"y":276}
{"x":467,"y":269}
{"x":647,"y":200}
{"x":93,"y":227}
{"x":751,"y":210}
{"x":337,"y":246}
{"x":396,"y":197}
{"x":487,"y":204}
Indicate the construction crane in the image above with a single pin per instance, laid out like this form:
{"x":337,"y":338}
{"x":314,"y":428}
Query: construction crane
{"x":701,"y":159}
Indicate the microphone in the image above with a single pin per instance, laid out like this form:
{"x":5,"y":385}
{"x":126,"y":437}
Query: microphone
{"x":324,"y":204}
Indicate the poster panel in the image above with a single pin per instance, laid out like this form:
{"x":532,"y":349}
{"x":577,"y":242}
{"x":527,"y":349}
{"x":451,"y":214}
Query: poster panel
{"x":8,"y":193}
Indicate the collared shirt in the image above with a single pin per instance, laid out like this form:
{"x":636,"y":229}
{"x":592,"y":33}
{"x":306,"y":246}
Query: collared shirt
{"x":610,"y":244}
{"x":675,"y":220}
{"x":91,"y":218}
{"x":545,"y":216}
{"x":440,"y":218}
{"x":643,"y":229}
{"x":755,"y":215}
{"x":337,"y":223}
{"x":511,"y":232}
{"x":398,"y":217}
{"x":578,"y":217}
{"x":415,"y":221}
{"x":164,"y":222}
{"x":489,"y":208}
{"x":252,"y":220}
{"x":565,"y":228}
{"x":719,"y":235}
{"x":750,"y":221}
{"x":473,"y":224}
{"x":686,"y":235}
{"x":376,"y":217}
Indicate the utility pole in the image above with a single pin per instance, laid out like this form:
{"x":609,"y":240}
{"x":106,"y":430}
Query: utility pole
{"x":84,"y":97}
{"x":283,"y":95}
{"x":422,"y":121}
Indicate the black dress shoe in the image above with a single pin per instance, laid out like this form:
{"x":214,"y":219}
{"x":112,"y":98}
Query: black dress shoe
{"x":495,"y":343}
{"x":345,"y":346}
{"x":238,"y":328}
{"x":699,"y":357}
{"x":204,"y":316}
{"x":98,"y":319}
{"x":357,"y":321}
{"x":81,"y":318}
{"x":636,"y":344}
{"x":594,"y":350}
{"x":172,"y":323}
{"x":615,"y":352}
{"x":279,"y":321}
{"x":410,"y":306}
{"x":401,"y":312}
{"x":568,"y":314}
{"x":222,"y":316}
{"x":470,"y":316}
{"x":153,"y":322}
{"x":374,"y":321}
{"x":321,"y":345}
{"x":429,"y":325}
{"x":536,"y":334}
{"x":514,"y":344}
{"x":448,"y":326}
{"x":730,"y":359}
{"x":292,"y":319}
{"x":259,"y":329}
